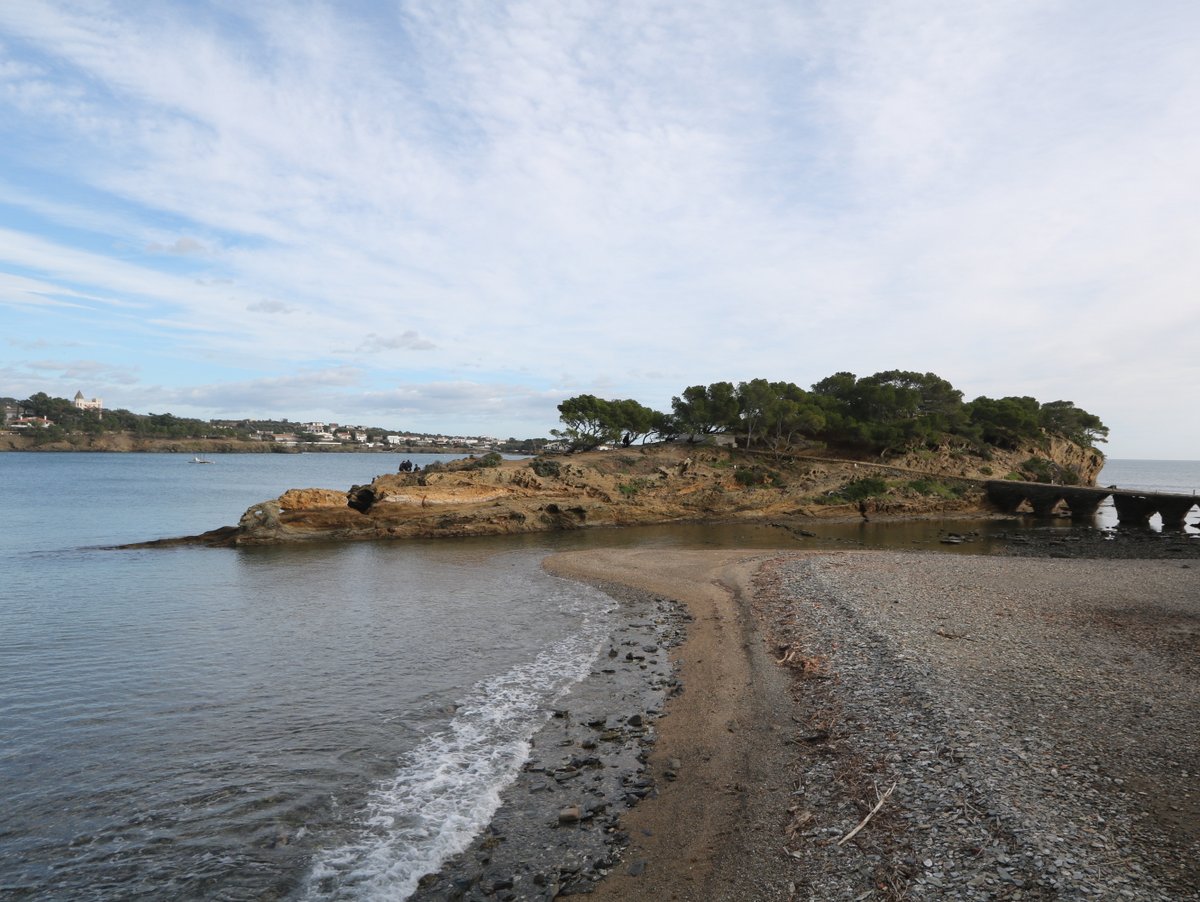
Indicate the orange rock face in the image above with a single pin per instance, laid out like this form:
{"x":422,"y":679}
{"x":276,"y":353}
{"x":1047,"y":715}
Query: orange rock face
{"x":656,"y":484}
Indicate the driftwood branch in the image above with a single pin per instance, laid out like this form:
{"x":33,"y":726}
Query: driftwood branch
{"x":853,"y":833}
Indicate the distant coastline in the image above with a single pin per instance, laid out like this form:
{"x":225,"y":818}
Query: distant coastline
{"x":121,"y":442}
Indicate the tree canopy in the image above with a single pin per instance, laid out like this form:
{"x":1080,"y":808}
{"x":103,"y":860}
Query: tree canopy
{"x":68,"y":418}
{"x":890,"y":411}
{"x":590,"y":422}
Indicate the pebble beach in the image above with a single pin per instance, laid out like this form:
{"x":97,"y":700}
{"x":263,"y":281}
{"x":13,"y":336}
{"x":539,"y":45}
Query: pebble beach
{"x":1035,"y":721}
{"x":867,"y":726}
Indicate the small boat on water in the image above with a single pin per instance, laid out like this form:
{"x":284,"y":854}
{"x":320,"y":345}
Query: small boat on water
{"x":199,"y":460}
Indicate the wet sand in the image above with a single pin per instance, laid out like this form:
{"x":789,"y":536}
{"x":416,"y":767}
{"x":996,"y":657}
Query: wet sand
{"x":713,"y":830}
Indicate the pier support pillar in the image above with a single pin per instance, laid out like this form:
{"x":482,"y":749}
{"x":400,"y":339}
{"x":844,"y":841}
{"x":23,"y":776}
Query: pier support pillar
{"x":1083,"y":502}
{"x":1043,"y":498}
{"x":1174,"y":510}
{"x":1006,"y":495}
{"x":1133,"y":510}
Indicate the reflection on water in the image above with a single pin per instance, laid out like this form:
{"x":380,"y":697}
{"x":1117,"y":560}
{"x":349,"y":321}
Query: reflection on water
{"x":953,"y":535}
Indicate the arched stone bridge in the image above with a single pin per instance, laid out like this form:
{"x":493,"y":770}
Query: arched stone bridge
{"x":1134,"y":508}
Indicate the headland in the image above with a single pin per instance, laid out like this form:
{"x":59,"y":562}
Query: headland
{"x":663,"y":483}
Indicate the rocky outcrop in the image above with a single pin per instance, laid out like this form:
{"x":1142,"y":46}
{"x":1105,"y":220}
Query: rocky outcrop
{"x":1053,"y":460}
{"x":657,"y":484}
{"x":1073,"y":458}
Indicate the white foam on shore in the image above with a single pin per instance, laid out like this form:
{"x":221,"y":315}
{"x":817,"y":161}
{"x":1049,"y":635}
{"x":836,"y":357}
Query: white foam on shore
{"x":449,"y":786}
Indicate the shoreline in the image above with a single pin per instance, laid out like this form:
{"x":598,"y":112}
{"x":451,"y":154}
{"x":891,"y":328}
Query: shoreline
{"x":1004,"y":732}
{"x":558,"y":826}
{"x":641,"y":745}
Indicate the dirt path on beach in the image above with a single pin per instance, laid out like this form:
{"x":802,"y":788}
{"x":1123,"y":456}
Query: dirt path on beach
{"x":712,"y":833}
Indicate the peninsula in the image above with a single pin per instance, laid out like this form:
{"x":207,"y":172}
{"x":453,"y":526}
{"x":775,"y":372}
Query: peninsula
{"x":660,"y":483}
{"x":896,"y":443}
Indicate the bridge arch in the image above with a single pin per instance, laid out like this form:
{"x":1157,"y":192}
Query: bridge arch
{"x":1134,"y":508}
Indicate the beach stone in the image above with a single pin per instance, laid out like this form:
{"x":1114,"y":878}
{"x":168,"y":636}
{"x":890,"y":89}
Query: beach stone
{"x":569,"y":815}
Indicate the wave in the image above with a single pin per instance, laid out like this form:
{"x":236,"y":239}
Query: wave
{"x":448,"y":788}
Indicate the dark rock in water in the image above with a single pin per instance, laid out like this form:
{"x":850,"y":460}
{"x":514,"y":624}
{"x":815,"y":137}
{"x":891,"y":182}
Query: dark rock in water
{"x":637,"y":868}
{"x":635,"y":720}
{"x":361,"y":498}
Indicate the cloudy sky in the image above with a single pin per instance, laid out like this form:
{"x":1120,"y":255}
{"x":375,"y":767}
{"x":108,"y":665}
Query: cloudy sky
{"x":449,"y":216}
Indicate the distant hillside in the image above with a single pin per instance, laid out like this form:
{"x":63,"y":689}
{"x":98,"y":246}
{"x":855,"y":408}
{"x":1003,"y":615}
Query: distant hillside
{"x":72,"y":429}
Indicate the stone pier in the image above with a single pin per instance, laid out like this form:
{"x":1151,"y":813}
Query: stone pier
{"x":1134,"y":508}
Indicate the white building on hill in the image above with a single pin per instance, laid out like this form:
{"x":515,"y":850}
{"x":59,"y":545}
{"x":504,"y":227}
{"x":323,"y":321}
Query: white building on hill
{"x":82,"y":403}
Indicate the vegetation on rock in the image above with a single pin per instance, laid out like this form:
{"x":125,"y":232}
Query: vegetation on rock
{"x":889,"y":412}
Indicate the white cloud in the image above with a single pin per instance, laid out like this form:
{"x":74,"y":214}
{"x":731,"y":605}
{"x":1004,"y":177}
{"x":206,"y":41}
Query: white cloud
{"x":88,"y":370}
{"x":408,"y":340}
{"x":269,"y":306}
{"x":182,"y":246}
{"x":641,"y":196}
{"x":277,"y":395}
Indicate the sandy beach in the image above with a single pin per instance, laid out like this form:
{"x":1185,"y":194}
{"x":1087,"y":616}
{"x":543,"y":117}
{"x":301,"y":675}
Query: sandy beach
{"x":1028,"y":728}
{"x":712,"y":831}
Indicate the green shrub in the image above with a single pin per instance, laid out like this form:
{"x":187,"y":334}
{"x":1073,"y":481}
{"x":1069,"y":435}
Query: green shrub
{"x":631,"y":488}
{"x":1039,"y":469}
{"x":867,"y":487}
{"x":491,"y":459}
{"x":543,"y":467}
{"x":754,"y":475}
{"x":933,"y":487}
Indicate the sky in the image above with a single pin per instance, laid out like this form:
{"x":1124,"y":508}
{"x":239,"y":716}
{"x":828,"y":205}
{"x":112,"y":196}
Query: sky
{"x":450,"y":216}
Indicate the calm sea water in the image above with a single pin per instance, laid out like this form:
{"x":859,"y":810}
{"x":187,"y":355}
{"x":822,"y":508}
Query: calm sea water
{"x":306,"y":723}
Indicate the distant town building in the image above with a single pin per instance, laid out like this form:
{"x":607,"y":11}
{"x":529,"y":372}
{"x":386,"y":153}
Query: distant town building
{"x":30,"y":422}
{"x":82,"y":403}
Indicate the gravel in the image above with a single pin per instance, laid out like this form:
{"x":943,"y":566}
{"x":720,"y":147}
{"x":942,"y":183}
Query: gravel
{"x":1038,"y":719}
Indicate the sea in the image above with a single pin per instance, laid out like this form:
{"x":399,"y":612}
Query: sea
{"x":327,"y":722}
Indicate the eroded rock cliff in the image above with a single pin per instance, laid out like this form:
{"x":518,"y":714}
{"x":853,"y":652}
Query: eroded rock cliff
{"x":657,"y":484}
